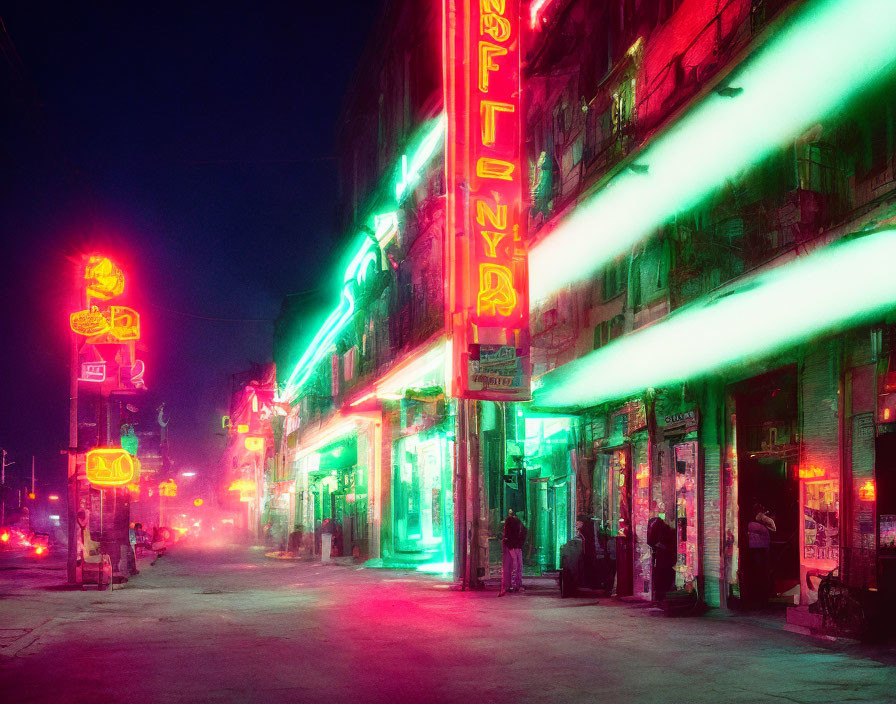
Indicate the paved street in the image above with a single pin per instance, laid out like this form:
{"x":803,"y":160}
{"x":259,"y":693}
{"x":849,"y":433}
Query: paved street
{"x":234,"y":626}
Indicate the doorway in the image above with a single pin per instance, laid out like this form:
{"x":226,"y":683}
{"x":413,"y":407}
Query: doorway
{"x":767,"y":454}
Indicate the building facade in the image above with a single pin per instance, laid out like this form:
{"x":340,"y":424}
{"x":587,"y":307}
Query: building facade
{"x":706,"y":209}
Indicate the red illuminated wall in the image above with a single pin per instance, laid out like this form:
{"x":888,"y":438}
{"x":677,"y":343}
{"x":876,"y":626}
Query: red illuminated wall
{"x":686,"y":50}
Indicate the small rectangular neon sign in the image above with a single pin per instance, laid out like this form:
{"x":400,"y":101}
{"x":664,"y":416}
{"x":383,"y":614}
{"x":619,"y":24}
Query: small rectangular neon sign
{"x":93,"y":372}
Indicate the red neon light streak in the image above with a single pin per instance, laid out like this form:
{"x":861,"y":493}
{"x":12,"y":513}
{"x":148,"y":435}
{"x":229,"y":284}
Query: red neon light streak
{"x":486,"y":220}
{"x":362,"y":399}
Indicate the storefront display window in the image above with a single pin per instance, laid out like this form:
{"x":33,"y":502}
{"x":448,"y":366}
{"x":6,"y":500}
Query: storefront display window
{"x":821,"y":521}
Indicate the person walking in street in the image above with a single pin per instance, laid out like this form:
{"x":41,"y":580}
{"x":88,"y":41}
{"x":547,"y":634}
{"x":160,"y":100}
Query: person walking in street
{"x":327,"y":529}
{"x":132,"y":550}
{"x":512,"y":551}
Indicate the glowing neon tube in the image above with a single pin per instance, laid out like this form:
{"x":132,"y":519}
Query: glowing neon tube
{"x":845,"y":283}
{"x":828,"y":54}
{"x":385,"y":225}
{"x":423,"y":150}
{"x":321,"y":342}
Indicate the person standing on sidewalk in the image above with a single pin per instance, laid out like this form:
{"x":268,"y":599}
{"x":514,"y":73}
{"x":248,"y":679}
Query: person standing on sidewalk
{"x":512,"y":550}
{"x":759,"y":532}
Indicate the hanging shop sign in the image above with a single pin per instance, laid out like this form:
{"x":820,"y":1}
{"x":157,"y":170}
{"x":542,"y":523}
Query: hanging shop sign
{"x":109,"y":467}
{"x":488,"y":302}
{"x":679,"y":423}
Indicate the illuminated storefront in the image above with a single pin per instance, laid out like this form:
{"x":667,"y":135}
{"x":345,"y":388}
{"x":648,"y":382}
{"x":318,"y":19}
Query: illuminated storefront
{"x":336,"y":472}
{"x":418,"y":528}
{"x":545,"y":489}
{"x":422,"y":499}
{"x":338,"y":488}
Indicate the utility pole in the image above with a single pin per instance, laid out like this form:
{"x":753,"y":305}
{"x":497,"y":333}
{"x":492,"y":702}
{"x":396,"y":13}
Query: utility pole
{"x":3,"y":465}
{"x":32,"y":476}
{"x":74,"y":576}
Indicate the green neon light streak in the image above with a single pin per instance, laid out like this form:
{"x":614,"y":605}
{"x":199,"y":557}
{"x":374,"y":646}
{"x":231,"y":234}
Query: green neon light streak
{"x":364,"y":268}
{"x":354,"y":266}
{"x":422,"y":151}
{"x":831,"y":51}
{"x":410,"y":170}
{"x":322,"y":341}
{"x":850,"y":282}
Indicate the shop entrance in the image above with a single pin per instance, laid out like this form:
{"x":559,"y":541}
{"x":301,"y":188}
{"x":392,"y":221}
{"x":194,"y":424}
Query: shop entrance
{"x":767,"y":452}
{"x":339,"y":488}
{"x":422,"y":500}
{"x":542,"y":491}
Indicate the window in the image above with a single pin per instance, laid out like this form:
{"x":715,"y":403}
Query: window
{"x":608,"y":331}
{"x":615,"y":278}
{"x":623,"y":111}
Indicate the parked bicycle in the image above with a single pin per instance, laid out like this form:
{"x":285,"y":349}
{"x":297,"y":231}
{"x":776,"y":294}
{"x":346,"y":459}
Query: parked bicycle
{"x":843,"y":608}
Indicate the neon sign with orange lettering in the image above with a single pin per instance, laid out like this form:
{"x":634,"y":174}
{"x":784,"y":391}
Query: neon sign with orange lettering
{"x":867,"y":491}
{"x":117,"y":324}
{"x":811,"y":472}
{"x":109,"y":467}
{"x":486,"y":219}
{"x":168,"y":489}
{"x":103,"y":279}
{"x":254,"y":444}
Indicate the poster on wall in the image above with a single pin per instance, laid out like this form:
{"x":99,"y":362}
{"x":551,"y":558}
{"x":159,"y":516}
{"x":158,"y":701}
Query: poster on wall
{"x":821,"y":521}
{"x":496,"y":367}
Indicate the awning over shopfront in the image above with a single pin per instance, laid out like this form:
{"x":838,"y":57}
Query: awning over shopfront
{"x":846,"y":283}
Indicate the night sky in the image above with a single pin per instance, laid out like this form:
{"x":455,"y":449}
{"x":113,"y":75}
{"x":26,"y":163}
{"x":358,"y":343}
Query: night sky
{"x":194,"y":141}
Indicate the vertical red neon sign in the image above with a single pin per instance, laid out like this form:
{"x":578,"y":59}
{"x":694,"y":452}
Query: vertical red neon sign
{"x":486,"y":268}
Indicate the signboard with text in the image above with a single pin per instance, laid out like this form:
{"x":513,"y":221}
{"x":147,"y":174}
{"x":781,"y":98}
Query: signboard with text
{"x":486,"y":266}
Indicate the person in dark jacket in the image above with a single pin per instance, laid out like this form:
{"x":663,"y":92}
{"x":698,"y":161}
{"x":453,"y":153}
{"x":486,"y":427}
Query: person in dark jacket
{"x":661,"y":539}
{"x":512,"y":549}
